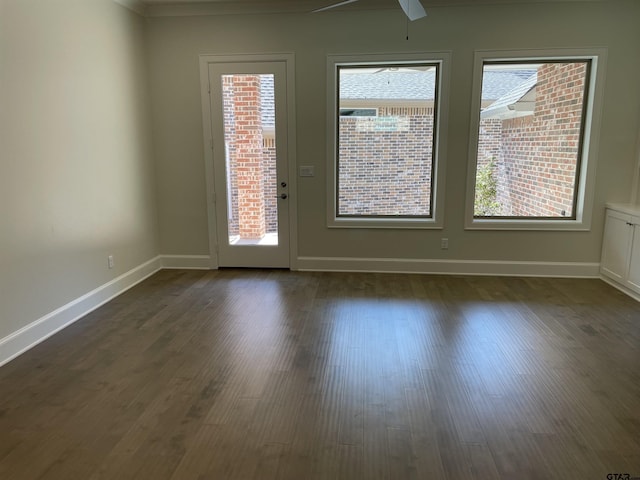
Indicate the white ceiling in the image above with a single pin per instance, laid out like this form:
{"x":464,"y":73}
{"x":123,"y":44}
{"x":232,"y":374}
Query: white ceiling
{"x":424,"y":2}
{"x":221,"y":7}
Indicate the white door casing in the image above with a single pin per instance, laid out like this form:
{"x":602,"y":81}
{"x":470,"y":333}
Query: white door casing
{"x":227,"y":248}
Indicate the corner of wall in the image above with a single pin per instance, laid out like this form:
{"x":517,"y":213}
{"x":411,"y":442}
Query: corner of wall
{"x":133,"y":5}
{"x":36,"y":332}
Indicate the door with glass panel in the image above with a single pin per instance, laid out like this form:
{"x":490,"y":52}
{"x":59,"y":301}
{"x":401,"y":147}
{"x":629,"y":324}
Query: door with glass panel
{"x":249,"y":128}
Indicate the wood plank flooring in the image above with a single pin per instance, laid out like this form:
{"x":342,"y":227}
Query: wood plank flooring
{"x":268,"y":374}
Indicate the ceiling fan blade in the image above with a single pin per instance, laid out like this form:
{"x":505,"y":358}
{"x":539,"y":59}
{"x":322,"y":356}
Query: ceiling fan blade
{"x":339,"y":4}
{"x":413,"y":9}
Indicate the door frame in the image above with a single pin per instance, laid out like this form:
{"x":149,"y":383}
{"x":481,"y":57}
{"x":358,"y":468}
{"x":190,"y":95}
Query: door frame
{"x":207,"y":130}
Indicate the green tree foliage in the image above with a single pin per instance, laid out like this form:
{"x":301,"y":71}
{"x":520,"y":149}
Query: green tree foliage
{"x":486,"y":204}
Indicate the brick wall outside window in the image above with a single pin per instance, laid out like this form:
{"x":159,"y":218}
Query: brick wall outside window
{"x":537,"y":162}
{"x":270,"y":184}
{"x":385,"y":163}
{"x":489,"y":140}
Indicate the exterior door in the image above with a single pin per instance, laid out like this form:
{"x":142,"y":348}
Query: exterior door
{"x":250,"y":163}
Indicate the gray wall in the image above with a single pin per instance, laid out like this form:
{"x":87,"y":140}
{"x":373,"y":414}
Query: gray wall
{"x":175,"y":44}
{"x":77,"y":180}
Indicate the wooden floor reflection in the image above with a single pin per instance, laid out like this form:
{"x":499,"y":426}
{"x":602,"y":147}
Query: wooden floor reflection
{"x":241,"y":374}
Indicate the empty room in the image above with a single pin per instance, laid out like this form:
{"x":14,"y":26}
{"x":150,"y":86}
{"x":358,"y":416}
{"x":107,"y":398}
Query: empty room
{"x":313,"y":239}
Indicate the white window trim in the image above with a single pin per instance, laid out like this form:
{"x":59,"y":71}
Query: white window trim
{"x":591,"y":139}
{"x":443,"y":59}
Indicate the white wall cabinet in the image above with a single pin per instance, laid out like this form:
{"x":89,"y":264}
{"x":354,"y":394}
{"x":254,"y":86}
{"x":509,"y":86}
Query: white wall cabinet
{"x":620,"y":260}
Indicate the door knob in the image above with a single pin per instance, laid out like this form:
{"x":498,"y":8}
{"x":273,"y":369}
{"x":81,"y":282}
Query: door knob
{"x":282,"y":196}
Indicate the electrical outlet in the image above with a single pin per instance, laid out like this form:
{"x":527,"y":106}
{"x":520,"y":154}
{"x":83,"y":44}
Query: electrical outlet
{"x":110,"y":261}
{"x":444,"y":243}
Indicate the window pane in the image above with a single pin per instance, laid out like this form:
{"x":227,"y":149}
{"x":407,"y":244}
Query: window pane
{"x":250,"y":149}
{"x":530,"y":137}
{"x":385,"y":140}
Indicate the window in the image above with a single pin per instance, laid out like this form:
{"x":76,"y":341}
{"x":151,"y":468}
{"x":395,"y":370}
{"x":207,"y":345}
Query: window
{"x":385,"y":121}
{"x":531,"y":144}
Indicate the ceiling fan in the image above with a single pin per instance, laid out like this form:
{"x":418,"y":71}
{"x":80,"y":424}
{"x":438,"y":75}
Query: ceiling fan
{"x":413,"y":9}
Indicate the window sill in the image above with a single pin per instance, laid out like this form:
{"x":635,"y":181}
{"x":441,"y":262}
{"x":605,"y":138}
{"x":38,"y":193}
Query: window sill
{"x":529,"y":225}
{"x":386,"y":223}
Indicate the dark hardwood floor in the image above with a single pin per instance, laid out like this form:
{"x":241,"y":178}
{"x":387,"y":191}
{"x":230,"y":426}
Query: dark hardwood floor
{"x":243,"y":374}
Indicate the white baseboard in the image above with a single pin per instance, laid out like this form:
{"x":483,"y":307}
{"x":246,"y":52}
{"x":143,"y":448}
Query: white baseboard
{"x":622,"y":288}
{"x":186,"y":262}
{"x":451,"y":267}
{"x":30,"y":335}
